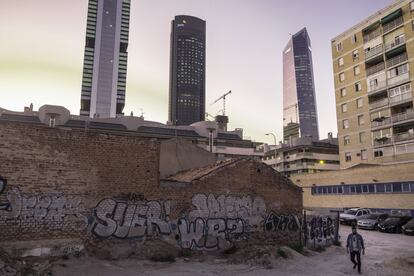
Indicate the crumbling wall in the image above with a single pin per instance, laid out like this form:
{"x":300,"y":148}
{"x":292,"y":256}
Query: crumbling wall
{"x":59,"y":184}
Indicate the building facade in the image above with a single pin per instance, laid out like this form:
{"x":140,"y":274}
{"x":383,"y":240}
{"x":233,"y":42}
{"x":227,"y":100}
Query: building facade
{"x":381,"y":188}
{"x":105,"y":58}
{"x":299,"y":102}
{"x":373,"y":87}
{"x":187,"y":70}
{"x":304,"y":155}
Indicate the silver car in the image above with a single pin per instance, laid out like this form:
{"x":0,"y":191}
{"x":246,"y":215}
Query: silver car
{"x":370,"y":221}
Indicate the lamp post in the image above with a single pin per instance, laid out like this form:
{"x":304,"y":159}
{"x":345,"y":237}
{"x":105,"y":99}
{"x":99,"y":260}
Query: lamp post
{"x":274,"y":139}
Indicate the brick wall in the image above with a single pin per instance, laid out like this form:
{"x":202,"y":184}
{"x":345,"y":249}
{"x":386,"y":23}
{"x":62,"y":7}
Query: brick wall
{"x":60,"y":183}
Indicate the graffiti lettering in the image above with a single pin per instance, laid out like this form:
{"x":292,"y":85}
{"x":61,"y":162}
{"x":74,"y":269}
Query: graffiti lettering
{"x":123,"y":220}
{"x":210,"y":233}
{"x":274,"y":223}
{"x":41,"y":208}
{"x":320,"y":229}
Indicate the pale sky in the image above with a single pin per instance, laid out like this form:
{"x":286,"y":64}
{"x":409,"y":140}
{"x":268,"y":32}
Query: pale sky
{"x":42,"y":44}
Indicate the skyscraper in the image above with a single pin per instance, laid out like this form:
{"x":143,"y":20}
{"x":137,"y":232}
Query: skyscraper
{"x":187,"y":70}
{"x":299,"y":103}
{"x":105,"y":59}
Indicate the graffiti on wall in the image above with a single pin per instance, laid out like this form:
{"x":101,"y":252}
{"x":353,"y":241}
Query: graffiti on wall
{"x":274,"y":223}
{"x":216,"y":222}
{"x":212,"y":223}
{"x":54,"y":208}
{"x":121,"y":219}
{"x":320,"y":229}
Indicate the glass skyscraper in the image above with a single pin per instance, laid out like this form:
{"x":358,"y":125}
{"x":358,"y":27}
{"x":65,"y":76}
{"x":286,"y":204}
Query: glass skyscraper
{"x":187,"y":70}
{"x":299,"y":102}
{"x":105,"y":58}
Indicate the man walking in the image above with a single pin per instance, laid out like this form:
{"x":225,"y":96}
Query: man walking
{"x":354,"y":246}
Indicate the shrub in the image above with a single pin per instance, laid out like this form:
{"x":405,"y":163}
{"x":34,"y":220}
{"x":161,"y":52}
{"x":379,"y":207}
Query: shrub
{"x":282,"y":253}
{"x":230,"y":250}
{"x":163,"y":258}
{"x":185,"y":253}
{"x":337,"y":243}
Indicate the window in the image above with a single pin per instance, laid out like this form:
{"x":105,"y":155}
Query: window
{"x":412,"y":6}
{"x":397,"y":71}
{"x":339,"y":46}
{"x":362,"y":137}
{"x":358,"y":87}
{"x":344,"y":108}
{"x":364,"y":154}
{"x":343,"y":92}
{"x":359,"y":102}
{"x":406,"y":187}
{"x":341,"y":61}
{"x":360,"y":120}
{"x":354,"y":38}
{"x":412,"y":26}
{"x":388,"y":188}
{"x":378,"y":153}
{"x":339,"y":190}
{"x":356,"y":70}
{"x":347,"y":140}
{"x":371,"y":188}
{"x":380,"y":188}
{"x":345,"y":124}
{"x":397,"y":187}
{"x":347,"y":156}
{"x":352,"y":189}
{"x":341,"y":77}
{"x":355,"y":55}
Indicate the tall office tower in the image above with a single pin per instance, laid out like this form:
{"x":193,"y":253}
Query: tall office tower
{"x":105,"y":60}
{"x":187,"y":70}
{"x":373,"y":87}
{"x":299,"y":104}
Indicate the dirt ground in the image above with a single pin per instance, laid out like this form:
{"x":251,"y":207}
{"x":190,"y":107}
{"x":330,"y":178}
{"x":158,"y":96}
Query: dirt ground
{"x":386,"y":254}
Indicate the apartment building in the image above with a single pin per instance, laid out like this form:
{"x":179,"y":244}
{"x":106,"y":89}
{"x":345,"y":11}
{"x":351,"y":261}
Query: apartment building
{"x":373,"y":71}
{"x":303,"y":155}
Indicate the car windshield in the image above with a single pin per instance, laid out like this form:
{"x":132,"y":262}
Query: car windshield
{"x":350,"y":212}
{"x":393,"y":219}
{"x":411,"y":222}
{"x":371,"y":216}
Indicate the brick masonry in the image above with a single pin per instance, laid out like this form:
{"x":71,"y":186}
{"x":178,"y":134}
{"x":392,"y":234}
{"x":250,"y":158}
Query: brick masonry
{"x":61,"y":184}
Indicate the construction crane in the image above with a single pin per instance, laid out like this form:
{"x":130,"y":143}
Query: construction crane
{"x":209,"y":115}
{"x":224,"y":101}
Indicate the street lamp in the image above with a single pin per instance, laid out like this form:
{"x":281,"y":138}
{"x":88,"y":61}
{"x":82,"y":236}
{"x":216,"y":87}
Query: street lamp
{"x":274,"y":139}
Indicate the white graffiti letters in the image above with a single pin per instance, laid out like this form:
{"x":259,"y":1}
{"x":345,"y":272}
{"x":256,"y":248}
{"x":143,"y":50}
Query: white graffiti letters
{"x":123,"y":220}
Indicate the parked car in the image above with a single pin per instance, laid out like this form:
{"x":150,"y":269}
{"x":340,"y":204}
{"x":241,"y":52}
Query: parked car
{"x":393,"y":224}
{"x":370,"y":221}
{"x":350,"y":216}
{"x":408,"y":228}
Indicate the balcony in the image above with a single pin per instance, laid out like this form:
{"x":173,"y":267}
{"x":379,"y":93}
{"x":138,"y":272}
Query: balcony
{"x":370,"y":36}
{"x":392,"y":25}
{"x":401,"y":117}
{"x":375,"y":69}
{"x":374,"y":52}
{"x":404,"y":136}
{"x":398,"y":41}
{"x":399,"y":79}
{"x":397,"y":60}
{"x":382,"y":141}
{"x":379,"y":86}
{"x":401,"y":98}
{"x":380,"y":103}
{"x":380,"y":122}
